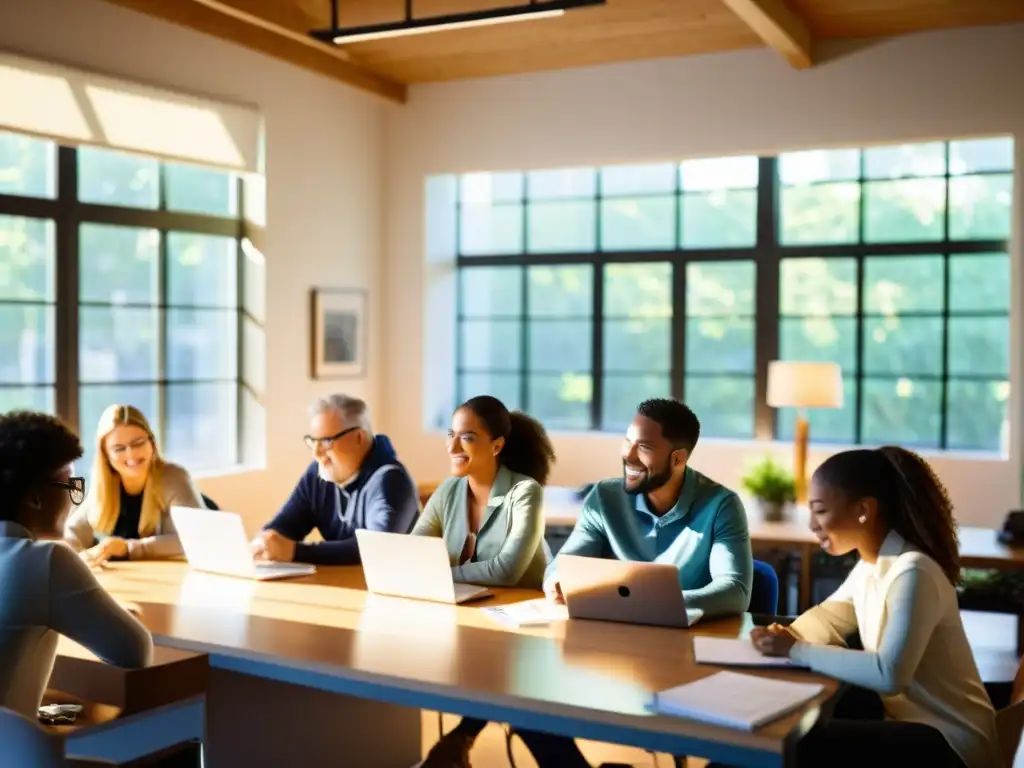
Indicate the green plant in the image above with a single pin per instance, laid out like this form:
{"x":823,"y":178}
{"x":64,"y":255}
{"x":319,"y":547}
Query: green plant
{"x":770,"y":481}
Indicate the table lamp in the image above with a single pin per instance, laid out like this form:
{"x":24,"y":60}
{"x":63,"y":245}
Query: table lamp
{"x":802,"y":385}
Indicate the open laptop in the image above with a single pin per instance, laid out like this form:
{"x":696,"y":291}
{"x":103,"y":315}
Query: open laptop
{"x":624,"y":590}
{"x":215,"y":542}
{"x":411,"y":566}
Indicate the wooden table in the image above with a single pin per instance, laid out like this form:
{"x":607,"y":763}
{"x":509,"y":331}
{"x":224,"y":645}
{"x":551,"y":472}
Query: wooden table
{"x":337,"y":674}
{"x":129,"y":713}
{"x":978,"y":546}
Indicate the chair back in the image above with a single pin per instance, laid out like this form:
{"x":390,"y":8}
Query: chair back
{"x":210,"y":503}
{"x":1010,"y":721}
{"x":23,"y":742}
{"x":764,"y":594}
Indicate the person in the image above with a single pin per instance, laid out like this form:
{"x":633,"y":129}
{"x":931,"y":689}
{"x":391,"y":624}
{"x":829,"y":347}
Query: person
{"x":490,"y":513}
{"x":888,"y":505}
{"x":127,"y":513}
{"x":355,"y":481}
{"x":662,"y":510}
{"x":47,"y":589}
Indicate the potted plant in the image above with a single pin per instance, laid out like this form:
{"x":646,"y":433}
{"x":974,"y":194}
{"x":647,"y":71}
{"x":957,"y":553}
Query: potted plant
{"x":772,"y":486}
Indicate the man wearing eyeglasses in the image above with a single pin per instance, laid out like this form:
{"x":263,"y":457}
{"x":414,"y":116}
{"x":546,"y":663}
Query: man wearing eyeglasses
{"x":355,"y":481}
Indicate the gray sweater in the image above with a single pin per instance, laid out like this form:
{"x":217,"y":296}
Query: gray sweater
{"x":48,"y":591}
{"x":178,"y":490}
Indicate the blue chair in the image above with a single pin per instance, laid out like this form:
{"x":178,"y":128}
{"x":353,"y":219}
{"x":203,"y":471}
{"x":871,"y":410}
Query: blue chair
{"x":764,"y":594}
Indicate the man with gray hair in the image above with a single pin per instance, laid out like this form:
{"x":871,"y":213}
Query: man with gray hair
{"x":355,"y":481}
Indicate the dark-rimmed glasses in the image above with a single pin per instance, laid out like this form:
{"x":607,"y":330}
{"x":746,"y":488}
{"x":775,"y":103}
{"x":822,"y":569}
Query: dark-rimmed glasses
{"x":75,"y":487}
{"x":326,"y":442}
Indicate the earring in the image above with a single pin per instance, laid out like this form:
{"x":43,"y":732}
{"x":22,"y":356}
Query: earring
{"x":862,"y":519}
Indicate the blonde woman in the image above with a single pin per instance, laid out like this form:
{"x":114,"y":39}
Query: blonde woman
{"x":132,"y":489}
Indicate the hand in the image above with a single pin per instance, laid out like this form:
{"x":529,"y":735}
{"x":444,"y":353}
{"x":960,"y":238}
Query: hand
{"x":554,"y":594}
{"x":773,"y":641}
{"x":274,"y":546}
{"x":106,"y":549}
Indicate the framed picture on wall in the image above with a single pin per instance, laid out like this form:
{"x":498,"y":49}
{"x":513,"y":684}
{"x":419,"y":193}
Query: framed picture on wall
{"x":339,"y":333}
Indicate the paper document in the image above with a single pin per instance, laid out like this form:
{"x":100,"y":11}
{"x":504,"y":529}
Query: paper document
{"x":528,"y":613}
{"x":735,"y":652}
{"x":735,"y":700}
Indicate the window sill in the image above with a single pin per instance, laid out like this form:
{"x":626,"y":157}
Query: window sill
{"x":772,"y":446}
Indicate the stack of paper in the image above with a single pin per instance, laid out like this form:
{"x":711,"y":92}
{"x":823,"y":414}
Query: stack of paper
{"x":732,"y":652}
{"x":735,"y":700}
{"x":528,"y":613}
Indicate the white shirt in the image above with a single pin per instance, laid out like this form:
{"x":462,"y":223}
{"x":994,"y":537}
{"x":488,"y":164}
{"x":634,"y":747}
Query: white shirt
{"x":916,"y":654}
{"x":46,"y":590}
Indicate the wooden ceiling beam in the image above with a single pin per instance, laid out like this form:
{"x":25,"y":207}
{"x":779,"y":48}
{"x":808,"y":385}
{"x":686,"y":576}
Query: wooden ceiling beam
{"x":227,"y":22}
{"x":779,"y":26}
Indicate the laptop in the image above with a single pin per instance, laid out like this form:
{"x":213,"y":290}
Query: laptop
{"x":402,"y":565}
{"x":215,"y":542}
{"x":624,"y":591}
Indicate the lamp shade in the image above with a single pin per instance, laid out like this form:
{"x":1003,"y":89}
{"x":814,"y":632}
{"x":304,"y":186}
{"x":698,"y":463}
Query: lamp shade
{"x":794,"y":384}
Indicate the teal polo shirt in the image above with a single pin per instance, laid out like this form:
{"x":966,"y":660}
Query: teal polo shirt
{"x":705,"y":534}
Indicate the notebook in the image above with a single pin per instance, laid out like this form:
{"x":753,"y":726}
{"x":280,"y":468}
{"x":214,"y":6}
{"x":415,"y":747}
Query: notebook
{"x":732,"y":652}
{"x":528,"y":613}
{"x":735,"y":700}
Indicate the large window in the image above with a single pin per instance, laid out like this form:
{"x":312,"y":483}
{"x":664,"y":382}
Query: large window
{"x":584,"y":291}
{"x":120,"y":282}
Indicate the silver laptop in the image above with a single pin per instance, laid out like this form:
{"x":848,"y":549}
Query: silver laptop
{"x":402,"y":565}
{"x":624,"y":590}
{"x":215,"y":542}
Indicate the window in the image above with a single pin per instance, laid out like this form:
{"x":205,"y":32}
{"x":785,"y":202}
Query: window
{"x":123,"y":285}
{"x":584,"y":291}
{"x":912,"y":300}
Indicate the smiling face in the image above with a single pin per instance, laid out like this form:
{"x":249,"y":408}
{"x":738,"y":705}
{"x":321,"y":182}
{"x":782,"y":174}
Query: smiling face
{"x":338,"y":450}
{"x":648,"y":459}
{"x":130,"y":451}
{"x":836,"y":519}
{"x":470,"y":446}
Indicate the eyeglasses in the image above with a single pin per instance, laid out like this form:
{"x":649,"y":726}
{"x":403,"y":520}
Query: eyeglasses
{"x":326,"y":442}
{"x":117,"y":450}
{"x":75,"y":487}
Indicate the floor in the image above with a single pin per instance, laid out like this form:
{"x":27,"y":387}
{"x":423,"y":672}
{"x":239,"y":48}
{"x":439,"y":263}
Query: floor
{"x":992,"y":636}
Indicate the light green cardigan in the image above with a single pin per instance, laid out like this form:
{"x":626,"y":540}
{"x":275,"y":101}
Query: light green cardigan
{"x":510,"y":548}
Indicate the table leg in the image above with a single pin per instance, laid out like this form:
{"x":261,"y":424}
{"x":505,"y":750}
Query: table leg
{"x":256,"y":721}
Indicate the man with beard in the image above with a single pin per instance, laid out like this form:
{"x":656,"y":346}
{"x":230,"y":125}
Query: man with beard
{"x":663,"y":511}
{"x":355,"y":481}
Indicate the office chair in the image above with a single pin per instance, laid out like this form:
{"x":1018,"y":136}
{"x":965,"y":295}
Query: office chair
{"x":210,"y":503}
{"x":764,"y":593}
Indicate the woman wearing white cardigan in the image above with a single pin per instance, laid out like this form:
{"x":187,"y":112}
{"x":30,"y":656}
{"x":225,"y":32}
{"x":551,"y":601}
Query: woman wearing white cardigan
{"x":888,"y":505}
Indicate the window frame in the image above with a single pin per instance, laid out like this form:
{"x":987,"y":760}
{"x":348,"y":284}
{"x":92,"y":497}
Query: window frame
{"x":767,"y":254}
{"x":68,"y":214}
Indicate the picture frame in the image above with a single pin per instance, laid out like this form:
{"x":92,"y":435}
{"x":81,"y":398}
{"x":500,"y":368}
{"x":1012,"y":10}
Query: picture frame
{"x":338,"y":338}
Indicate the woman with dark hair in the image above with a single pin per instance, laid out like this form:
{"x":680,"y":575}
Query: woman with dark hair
{"x":490,"y":514}
{"x":47,"y":589}
{"x":916,"y":666}
{"x":490,"y":511}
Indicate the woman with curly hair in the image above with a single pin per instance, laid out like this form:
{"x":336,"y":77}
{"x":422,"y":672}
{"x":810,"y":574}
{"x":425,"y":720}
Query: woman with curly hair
{"x":917,"y":685}
{"x":46,"y":589}
{"x":490,"y":513}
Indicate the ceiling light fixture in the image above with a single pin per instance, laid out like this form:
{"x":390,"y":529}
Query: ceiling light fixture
{"x":535,"y":9}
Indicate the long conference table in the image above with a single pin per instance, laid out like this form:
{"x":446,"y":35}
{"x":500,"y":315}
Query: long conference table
{"x":316,"y":671}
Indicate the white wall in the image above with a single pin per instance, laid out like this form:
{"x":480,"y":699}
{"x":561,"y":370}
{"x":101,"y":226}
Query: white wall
{"x":323,"y":173}
{"x":937,"y":85}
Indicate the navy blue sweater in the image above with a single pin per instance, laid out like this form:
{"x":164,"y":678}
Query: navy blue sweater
{"x":383,"y":497}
